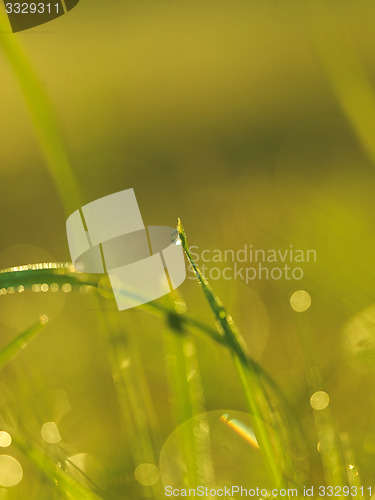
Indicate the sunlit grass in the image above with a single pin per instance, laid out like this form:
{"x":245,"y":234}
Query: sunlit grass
{"x":277,"y":429}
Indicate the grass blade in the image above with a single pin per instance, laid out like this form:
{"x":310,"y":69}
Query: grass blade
{"x":329,"y":439}
{"x":64,"y":482}
{"x":19,"y":343}
{"x":249,"y":378}
{"x":43,"y":118}
{"x":188,"y":402}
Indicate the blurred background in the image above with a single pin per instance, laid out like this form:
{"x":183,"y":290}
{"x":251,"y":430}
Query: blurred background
{"x":229,"y":116}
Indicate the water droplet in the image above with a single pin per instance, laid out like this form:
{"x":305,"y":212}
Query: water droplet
{"x":11,"y":290}
{"x":5,"y":439}
{"x":43,"y":319}
{"x":50,"y":433}
{"x":44,"y":287}
{"x":175,"y":238}
{"x":54,"y":287}
{"x":319,"y":400}
{"x":20,"y":289}
{"x":36,"y":287}
{"x":147,"y":474}
{"x":11,"y":472}
{"x":66,"y":288}
{"x":300,"y":301}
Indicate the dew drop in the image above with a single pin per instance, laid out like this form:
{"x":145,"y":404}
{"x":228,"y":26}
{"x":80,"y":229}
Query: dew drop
{"x":175,"y":238}
{"x":43,"y":319}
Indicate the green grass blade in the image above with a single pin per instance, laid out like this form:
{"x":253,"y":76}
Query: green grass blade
{"x":65,"y":483}
{"x":19,"y":343}
{"x":353,"y":476}
{"x":249,"y":378}
{"x":61,"y":273}
{"x":329,"y":439}
{"x":133,"y":396}
{"x":352,"y":86}
{"x":43,"y":118}
{"x":187,"y":402}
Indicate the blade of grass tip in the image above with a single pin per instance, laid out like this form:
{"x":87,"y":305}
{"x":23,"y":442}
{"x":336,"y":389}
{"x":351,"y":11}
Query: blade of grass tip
{"x":43,"y":118}
{"x":249,"y":378}
{"x":188,"y":401}
{"x":65,"y":483}
{"x":10,"y":351}
{"x":329,"y":439}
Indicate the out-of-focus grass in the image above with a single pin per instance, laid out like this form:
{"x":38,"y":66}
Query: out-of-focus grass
{"x":55,"y":471}
{"x":354,"y":94}
{"x":21,"y":341}
{"x":44,"y":119}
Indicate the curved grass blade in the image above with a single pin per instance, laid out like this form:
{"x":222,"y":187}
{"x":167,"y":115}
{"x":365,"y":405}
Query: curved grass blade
{"x":65,"y":483}
{"x":352,"y":86}
{"x":255,"y":397}
{"x":62,"y":273}
{"x":43,"y":118}
{"x":11,"y":350}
